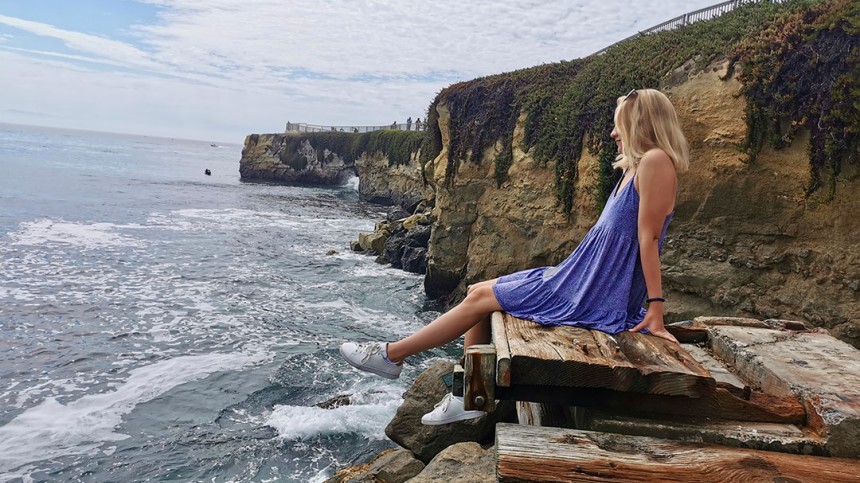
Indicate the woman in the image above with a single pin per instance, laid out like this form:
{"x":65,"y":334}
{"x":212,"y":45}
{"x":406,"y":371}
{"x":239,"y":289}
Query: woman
{"x":602,"y":285}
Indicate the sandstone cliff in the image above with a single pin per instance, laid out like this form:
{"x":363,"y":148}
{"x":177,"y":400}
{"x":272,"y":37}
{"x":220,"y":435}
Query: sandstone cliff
{"x":758,"y":231}
{"x":744,"y":241}
{"x":292,"y":159}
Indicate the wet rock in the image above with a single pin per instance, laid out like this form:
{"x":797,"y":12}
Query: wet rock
{"x":428,"y":441}
{"x":335,"y":402}
{"x":372,"y":242}
{"x":414,"y":260}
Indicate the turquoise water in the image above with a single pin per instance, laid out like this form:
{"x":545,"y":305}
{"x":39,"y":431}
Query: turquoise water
{"x":160,"y":324}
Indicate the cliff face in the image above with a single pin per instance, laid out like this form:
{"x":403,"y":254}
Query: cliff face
{"x":744,"y":240}
{"x":380,"y":182}
{"x":276,"y":157}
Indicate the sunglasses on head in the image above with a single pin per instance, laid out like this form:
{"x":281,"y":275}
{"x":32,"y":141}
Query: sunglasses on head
{"x":631,"y":93}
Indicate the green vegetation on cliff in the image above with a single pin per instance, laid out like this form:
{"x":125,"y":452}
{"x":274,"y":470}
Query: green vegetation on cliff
{"x":799,"y":64}
{"x":803,"y":72}
{"x":569,"y":105}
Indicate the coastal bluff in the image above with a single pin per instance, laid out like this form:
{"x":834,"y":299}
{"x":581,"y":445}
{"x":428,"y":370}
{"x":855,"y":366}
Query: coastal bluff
{"x":744,"y":242}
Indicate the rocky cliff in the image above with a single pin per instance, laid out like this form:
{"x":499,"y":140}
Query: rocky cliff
{"x":291,"y":158}
{"x":744,"y":242}
{"x":765,"y":225}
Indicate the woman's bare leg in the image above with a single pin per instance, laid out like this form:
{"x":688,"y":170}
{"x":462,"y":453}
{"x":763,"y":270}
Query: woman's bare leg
{"x":479,"y":333}
{"x":474,"y":310}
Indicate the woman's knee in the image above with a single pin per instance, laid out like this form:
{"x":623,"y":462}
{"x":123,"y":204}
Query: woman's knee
{"x":480,"y":294}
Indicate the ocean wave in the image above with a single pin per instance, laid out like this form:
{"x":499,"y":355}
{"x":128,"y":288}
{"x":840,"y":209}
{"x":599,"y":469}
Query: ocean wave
{"x":367,"y":414}
{"x":85,"y":235}
{"x":51,"y":429}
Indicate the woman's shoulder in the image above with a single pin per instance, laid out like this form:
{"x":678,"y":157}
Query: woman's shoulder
{"x":656,"y":158}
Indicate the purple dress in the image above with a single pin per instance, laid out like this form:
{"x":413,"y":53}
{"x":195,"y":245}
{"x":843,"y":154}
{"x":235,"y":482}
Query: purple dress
{"x":599,"y":286}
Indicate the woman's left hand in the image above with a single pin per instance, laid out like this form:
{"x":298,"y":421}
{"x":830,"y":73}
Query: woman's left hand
{"x":653,"y":321}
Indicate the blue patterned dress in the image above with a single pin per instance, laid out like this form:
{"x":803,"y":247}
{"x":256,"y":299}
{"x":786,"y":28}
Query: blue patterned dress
{"x":599,"y":286}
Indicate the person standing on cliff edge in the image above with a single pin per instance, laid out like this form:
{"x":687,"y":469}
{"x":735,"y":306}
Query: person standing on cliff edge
{"x":602,"y":285}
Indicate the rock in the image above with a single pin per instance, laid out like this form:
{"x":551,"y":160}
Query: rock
{"x":415,"y":220}
{"x":355,"y":246}
{"x":401,"y":185}
{"x":420,"y":234}
{"x":335,"y":402}
{"x":396,"y":213}
{"x":396,"y":467}
{"x":414,"y":260}
{"x":393,"y":249}
{"x":427,"y":441}
{"x":331,"y":252}
{"x":292,"y":159}
{"x":372,"y":242}
{"x":358,"y":473}
{"x":462,"y":462}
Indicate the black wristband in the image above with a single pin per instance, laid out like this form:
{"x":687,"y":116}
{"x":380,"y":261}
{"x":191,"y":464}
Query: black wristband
{"x":655,"y":299}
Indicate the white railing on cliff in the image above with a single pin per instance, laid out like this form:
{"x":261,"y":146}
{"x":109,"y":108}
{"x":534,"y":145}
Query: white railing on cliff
{"x":303,"y":127}
{"x":706,"y":13}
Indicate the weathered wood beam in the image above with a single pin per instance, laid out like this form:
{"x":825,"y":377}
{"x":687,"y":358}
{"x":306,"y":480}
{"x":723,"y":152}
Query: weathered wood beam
{"x":503,"y":349}
{"x":823,"y":372}
{"x":576,"y":357}
{"x":721,"y":404}
{"x":542,"y":414}
{"x":533,"y":453}
{"x":480,"y":378}
{"x":458,"y":381}
{"x":785,"y":438}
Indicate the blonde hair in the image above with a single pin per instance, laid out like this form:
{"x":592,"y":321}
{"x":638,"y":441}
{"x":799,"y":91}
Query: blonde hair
{"x":645,"y":120}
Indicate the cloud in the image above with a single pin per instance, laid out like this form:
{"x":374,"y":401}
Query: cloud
{"x":104,"y":48}
{"x":254,"y":64}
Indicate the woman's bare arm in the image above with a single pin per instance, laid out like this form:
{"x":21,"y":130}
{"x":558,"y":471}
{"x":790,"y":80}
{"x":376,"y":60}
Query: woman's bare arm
{"x":656,"y":185}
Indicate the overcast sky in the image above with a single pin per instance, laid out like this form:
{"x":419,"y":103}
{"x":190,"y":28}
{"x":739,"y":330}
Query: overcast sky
{"x":219,"y":69}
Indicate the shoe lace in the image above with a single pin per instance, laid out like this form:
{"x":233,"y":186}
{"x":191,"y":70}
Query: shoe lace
{"x":445,"y":402}
{"x":368,"y":349}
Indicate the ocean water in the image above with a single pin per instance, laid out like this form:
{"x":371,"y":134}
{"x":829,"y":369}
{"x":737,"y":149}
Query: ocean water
{"x":160,"y":324}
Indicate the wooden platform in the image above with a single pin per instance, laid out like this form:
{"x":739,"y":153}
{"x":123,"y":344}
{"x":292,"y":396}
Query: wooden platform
{"x":530,"y":453}
{"x":529,"y":353}
{"x":741,"y":382}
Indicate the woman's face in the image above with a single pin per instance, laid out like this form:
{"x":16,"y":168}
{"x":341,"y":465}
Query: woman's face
{"x":615,"y":135}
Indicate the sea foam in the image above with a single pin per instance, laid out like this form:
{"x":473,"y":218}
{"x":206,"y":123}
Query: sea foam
{"x":367,"y":414}
{"x":90,"y":236}
{"x":51,"y":429}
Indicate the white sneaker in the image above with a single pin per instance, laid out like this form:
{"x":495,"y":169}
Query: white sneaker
{"x":449,"y":410}
{"x":369,"y":357}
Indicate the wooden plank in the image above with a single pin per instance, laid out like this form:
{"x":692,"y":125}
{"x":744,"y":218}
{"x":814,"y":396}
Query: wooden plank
{"x":541,"y":414}
{"x":730,"y":321}
{"x":576,"y":357}
{"x":786,"y":438}
{"x":534,"y":453}
{"x":480,"y":378}
{"x":503,"y":350}
{"x":721,"y":404}
{"x":458,"y":381}
{"x":724,"y":377}
{"x":821,"y":370}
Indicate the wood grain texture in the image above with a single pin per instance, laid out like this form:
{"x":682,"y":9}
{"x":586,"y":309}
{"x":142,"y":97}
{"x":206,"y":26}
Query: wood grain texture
{"x":503,"y":350}
{"x":480,"y":378}
{"x":720,"y":404}
{"x":531,"y":453}
{"x":576,"y":357}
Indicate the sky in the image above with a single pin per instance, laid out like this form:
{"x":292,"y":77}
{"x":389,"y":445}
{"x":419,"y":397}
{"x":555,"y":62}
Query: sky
{"x":220,"y":69}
